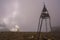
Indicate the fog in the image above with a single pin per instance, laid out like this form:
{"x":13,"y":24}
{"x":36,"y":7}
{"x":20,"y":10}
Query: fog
{"x":25,"y":13}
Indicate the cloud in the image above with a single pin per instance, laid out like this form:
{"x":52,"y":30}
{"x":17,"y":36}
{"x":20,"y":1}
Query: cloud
{"x":25,"y":13}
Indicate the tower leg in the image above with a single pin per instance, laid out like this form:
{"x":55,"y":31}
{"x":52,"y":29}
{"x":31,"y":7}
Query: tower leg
{"x":39,"y":29}
{"x":50,"y":24}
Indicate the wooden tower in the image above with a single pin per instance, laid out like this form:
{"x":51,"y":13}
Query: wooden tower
{"x":43,"y":17}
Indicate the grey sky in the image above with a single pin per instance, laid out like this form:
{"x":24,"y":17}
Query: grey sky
{"x":25,"y":13}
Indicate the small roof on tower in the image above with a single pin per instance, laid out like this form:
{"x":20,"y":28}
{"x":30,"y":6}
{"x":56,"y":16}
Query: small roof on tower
{"x":44,"y":8}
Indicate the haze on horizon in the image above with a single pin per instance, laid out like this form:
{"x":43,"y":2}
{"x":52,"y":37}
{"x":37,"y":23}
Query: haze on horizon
{"x":25,"y":13}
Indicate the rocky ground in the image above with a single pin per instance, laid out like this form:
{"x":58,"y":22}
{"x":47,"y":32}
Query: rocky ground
{"x":25,"y":36}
